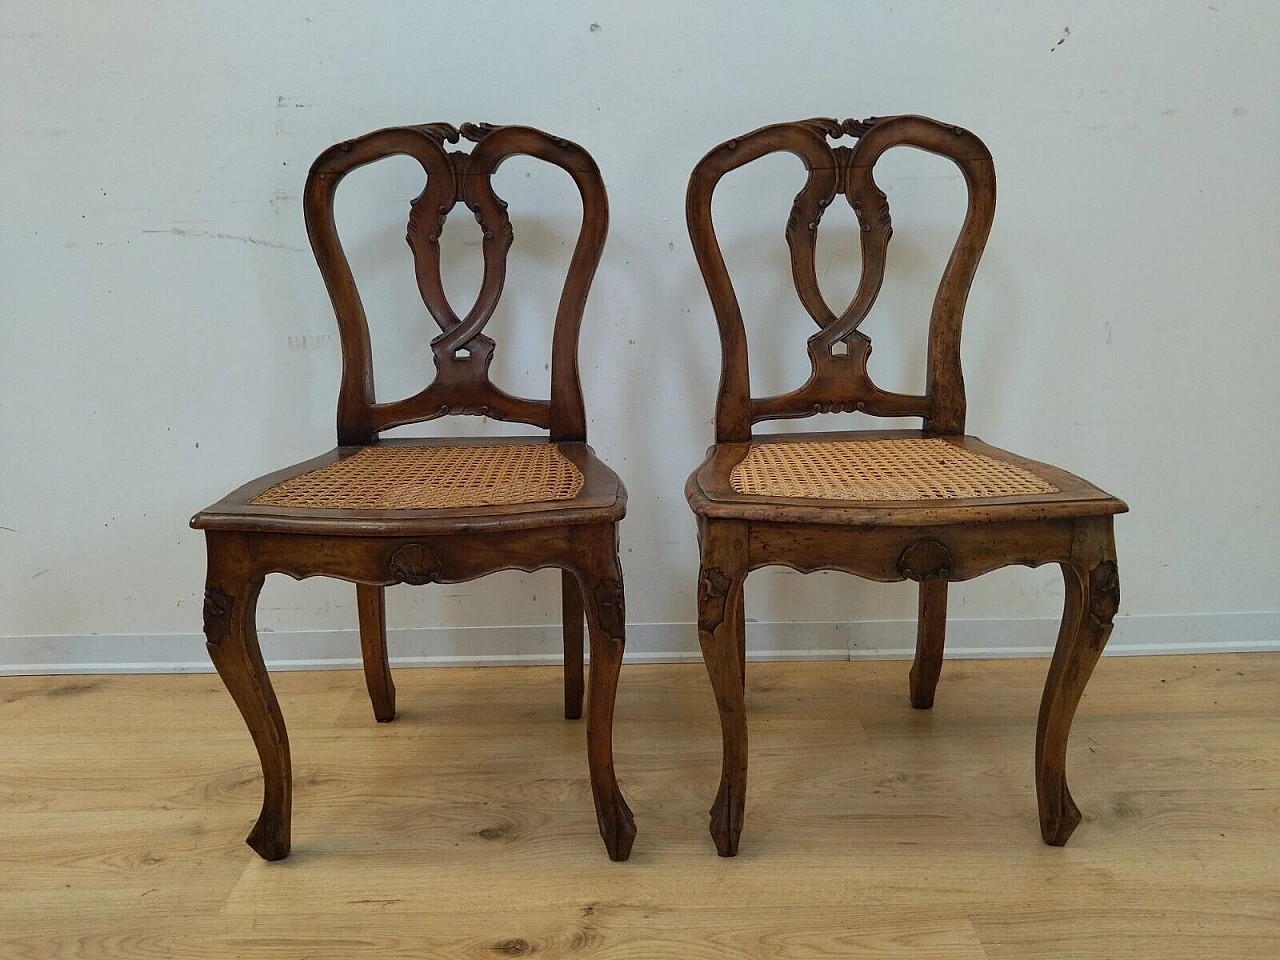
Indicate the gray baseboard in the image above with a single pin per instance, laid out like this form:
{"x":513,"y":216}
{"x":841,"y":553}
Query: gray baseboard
{"x":646,"y":642}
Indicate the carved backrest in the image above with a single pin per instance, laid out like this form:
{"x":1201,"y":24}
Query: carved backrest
{"x":839,"y":351}
{"x":462,"y":353}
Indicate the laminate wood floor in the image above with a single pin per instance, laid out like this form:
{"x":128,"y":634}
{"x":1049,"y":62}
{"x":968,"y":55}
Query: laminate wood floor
{"x":465,"y":828}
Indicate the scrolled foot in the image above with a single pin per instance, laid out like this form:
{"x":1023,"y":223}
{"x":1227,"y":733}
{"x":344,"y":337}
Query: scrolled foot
{"x":617,"y":827}
{"x":1059,"y":816}
{"x":269,"y":837}
{"x":726,"y":820}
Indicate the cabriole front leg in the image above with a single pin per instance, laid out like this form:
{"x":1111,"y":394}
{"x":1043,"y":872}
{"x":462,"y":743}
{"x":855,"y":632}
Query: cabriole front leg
{"x":230,"y":601}
{"x":1092,"y":599}
{"x":721,"y":633}
{"x":601,"y":586}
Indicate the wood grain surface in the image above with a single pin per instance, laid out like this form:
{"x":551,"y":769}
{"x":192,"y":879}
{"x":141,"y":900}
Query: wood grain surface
{"x":876,"y":830}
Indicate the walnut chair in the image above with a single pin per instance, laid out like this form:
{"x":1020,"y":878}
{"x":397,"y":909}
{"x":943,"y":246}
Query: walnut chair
{"x":929,"y":505}
{"x":382,"y":512}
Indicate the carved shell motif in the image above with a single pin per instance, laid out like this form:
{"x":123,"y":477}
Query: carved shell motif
{"x":414,"y":563}
{"x":925,"y":559}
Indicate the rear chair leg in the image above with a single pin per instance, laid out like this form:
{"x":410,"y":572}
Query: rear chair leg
{"x":931,"y":635}
{"x":372,"y":605}
{"x":571,"y":614}
{"x":740,"y":615}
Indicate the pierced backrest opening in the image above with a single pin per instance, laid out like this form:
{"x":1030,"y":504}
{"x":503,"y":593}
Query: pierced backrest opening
{"x":462,"y":353}
{"x":838,"y":352}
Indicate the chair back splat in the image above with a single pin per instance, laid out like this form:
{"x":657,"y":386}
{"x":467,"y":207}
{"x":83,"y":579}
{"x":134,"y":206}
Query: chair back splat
{"x":462,"y":353}
{"x":839,"y":382}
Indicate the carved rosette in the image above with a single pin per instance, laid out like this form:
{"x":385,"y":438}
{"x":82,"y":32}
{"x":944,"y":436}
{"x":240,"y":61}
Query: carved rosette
{"x":925,"y":560}
{"x":1104,"y":592}
{"x":713,"y":591}
{"x":414,"y":563}
{"x":217,"y":615}
{"x":611,"y":607}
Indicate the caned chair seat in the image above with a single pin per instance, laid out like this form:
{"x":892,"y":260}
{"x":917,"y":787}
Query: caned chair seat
{"x":426,"y":485}
{"x":884,"y":477}
{"x":906,"y":468}
{"x":431,"y":478}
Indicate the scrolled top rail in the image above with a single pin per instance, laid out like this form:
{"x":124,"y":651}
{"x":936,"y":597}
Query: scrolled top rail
{"x":461,"y":352}
{"x":838,"y":351}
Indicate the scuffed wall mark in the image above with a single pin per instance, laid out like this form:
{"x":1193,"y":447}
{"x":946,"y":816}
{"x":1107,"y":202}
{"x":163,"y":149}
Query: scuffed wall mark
{"x":595,"y":27}
{"x":41,"y":573}
{"x":10,"y":529}
{"x":308,"y":341}
{"x":1238,"y":111}
{"x":1066,"y":32}
{"x":210,"y":235}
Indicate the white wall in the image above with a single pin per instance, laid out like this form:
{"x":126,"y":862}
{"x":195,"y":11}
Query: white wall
{"x":164,"y":334}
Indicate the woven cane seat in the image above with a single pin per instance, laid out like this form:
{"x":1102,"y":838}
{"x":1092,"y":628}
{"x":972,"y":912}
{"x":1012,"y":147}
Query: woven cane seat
{"x":431,"y":478}
{"x":871,"y":470}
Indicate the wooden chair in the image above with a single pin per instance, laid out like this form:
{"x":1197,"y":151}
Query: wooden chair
{"x":932,"y":505}
{"x":382,"y":512}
